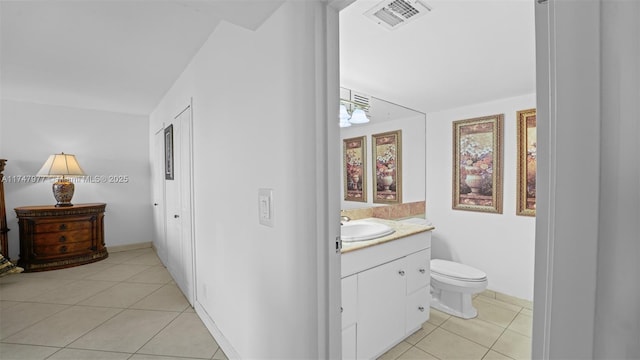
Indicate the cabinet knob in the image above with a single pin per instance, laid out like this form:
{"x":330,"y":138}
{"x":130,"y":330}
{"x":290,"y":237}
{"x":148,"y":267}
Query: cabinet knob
{"x":62,"y":238}
{"x":63,"y":249}
{"x":401,"y":272}
{"x":155,"y":204}
{"x":421,"y":308}
{"x":176,"y":216}
{"x":341,"y":309}
{"x":422,"y":271}
{"x":63,"y":226}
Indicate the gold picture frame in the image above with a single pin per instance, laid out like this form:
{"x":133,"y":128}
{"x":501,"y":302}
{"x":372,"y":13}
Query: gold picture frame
{"x":477,"y":164}
{"x":387,"y":167}
{"x":527,"y":161}
{"x":354,"y":169}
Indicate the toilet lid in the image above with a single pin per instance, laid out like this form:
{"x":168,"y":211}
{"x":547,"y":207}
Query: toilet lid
{"x":456,"y":270}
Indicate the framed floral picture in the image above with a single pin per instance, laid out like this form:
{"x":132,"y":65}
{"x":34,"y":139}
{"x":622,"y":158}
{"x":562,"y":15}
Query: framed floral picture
{"x":477,"y":164}
{"x":387,"y":168}
{"x":527,"y":144}
{"x":355,"y":181}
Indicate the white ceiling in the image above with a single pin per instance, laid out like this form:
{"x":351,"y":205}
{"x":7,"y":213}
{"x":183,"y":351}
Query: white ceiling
{"x":124,"y":55}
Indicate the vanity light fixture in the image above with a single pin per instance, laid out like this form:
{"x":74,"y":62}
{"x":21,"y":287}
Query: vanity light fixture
{"x":351,"y":113}
{"x":61,"y":166}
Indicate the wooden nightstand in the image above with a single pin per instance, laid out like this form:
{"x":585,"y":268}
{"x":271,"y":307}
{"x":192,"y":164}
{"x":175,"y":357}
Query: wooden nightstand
{"x":60,"y":237}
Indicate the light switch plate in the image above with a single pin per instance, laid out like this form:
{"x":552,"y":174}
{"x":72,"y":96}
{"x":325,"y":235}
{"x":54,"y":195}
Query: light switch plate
{"x":265,"y":206}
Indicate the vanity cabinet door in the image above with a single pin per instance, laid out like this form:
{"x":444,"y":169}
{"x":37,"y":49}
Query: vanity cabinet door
{"x":381,"y":308}
{"x":417,"y":310}
{"x":349,"y":342}
{"x":349,"y":300}
{"x":418,"y":273}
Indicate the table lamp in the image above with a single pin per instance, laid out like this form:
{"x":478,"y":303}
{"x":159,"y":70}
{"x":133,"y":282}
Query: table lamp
{"x":61,"y":166}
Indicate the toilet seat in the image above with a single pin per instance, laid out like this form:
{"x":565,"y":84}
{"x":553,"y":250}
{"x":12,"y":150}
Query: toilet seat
{"x":457,"y":271}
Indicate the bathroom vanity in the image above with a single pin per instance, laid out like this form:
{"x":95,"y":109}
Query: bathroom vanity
{"x":385,"y":289}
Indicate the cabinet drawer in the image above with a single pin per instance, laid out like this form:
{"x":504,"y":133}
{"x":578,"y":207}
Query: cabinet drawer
{"x":50,"y":226}
{"x":62,"y":237}
{"x":417,"y":309}
{"x":44,"y":251}
{"x":418,"y":273}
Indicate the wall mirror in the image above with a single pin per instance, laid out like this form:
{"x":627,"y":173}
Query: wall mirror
{"x":385,"y":117}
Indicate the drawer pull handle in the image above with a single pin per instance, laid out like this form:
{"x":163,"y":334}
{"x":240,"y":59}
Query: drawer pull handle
{"x":421,"y":308}
{"x":63,"y":249}
{"x":63,"y":226}
{"x":401,"y":272}
{"x":422,"y":271}
{"x":62,"y":238}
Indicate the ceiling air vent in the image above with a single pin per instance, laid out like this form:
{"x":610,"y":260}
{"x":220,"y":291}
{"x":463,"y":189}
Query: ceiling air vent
{"x":392,"y":14}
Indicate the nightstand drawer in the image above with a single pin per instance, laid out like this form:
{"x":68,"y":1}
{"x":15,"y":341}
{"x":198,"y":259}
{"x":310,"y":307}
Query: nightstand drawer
{"x":63,"y":237}
{"x":44,"y":251}
{"x":69,"y":224}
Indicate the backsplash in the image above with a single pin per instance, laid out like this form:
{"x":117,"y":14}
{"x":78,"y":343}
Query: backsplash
{"x":390,"y":212}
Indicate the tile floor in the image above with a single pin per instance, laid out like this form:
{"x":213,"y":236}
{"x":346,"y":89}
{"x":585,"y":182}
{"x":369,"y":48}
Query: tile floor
{"x":124,"y":307}
{"x":128,"y":307}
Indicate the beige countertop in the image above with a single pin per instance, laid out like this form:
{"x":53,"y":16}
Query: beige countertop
{"x":402,"y":229}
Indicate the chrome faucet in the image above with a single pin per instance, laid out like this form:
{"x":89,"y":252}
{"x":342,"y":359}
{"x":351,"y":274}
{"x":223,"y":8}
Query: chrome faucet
{"x":344,"y":219}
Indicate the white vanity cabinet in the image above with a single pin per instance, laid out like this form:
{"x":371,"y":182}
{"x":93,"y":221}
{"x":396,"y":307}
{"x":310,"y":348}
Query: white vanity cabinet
{"x":391,"y":297}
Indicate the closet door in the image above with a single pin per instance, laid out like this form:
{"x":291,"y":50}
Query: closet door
{"x":178,"y":196}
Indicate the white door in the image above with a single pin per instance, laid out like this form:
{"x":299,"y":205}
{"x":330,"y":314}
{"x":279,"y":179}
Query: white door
{"x":157,"y":178}
{"x":178,"y":194}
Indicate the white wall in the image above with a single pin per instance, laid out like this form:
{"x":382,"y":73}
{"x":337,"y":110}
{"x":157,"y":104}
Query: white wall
{"x":502,"y":245}
{"x":255,"y":121}
{"x":413,"y":157}
{"x":105,"y":143}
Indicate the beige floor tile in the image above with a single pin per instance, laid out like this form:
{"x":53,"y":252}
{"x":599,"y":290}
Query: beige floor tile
{"x":63,"y":327}
{"x":446,"y":345}
{"x":437,"y":317}
{"x":500,"y":303}
{"x":158,"y":357}
{"x":22,"y":287}
{"x":118,"y":272}
{"x":185,"y":336}
{"x":526,"y":311}
{"x":145,"y":259}
{"x":219,"y":355}
{"x":514,"y":300}
{"x":494,"y":313}
{"x":23,"y":315}
{"x":7,"y":304}
{"x":126,"y":332}
{"x":522,"y":324}
{"x":77,"y":354}
{"x":119,"y":257}
{"x":488,"y":293}
{"x":121,"y":295}
{"x":73,"y":273}
{"x":25,"y":352}
{"x":514,"y":345}
{"x":74,"y":292}
{"x":416,"y":354}
{"x":480,"y":331}
{"x":396,"y":351}
{"x":153,"y":275}
{"x":492,"y":355}
{"x":425,"y":330}
{"x":167,"y":298}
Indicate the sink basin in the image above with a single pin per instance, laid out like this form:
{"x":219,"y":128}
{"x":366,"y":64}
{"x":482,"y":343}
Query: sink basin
{"x":363,"y":230}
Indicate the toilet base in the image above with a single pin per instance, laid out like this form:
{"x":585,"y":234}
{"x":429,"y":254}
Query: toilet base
{"x":453,"y":303}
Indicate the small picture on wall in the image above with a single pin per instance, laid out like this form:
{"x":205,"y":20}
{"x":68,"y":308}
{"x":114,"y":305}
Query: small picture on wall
{"x":477,"y":164}
{"x":527,"y":152}
{"x":355,"y":181}
{"x":168,"y":152}
{"x":387,"y":172}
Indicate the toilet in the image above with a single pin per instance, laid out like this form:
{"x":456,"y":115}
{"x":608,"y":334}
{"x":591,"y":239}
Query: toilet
{"x":453,"y":284}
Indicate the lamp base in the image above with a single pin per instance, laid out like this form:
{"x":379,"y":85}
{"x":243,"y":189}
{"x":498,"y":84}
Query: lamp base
{"x":63,"y":192}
